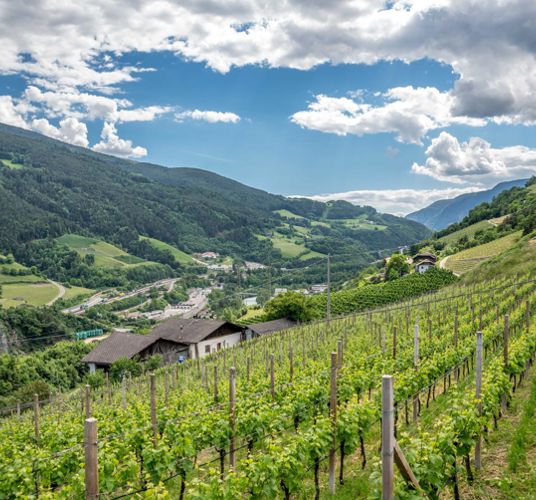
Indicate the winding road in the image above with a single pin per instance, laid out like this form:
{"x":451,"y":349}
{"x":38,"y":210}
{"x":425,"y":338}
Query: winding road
{"x":61,"y":293}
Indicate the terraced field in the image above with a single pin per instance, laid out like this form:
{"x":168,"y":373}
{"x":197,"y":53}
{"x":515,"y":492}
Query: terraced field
{"x":469,"y":259}
{"x":466,"y":231}
{"x":106,"y":255}
{"x":180,"y":256}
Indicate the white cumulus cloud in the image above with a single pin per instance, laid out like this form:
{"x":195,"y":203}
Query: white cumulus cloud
{"x":70,"y":130}
{"x":112,"y":144}
{"x":475,"y":161}
{"x":408,"y":112}
{"x":207,"y":116}
{"x":395,"y":201}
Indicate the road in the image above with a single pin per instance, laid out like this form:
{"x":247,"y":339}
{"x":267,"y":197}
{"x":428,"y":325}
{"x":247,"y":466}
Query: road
{"x":199,"y":301}
{"x":98,"y":298}
{"x":61,"y":293}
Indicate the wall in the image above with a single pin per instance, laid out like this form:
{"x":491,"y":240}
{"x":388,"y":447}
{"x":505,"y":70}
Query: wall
{"x":225,"y":341}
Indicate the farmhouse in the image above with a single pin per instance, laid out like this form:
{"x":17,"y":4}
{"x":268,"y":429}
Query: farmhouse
{"x":129,"y":345}
{"x":258,"y":329}
{"x":424,"y":261}
{"x":199,"y":337}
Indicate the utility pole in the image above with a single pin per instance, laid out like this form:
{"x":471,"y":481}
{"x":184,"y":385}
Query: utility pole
{"x":328,"y":311}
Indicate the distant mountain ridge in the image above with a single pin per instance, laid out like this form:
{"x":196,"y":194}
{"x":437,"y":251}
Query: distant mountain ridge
{"x":443,"y":213}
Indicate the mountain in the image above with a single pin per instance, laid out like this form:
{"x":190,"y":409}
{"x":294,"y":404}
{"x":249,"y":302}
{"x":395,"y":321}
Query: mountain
{"x":49,"y":188}
{"x":443,"y":213}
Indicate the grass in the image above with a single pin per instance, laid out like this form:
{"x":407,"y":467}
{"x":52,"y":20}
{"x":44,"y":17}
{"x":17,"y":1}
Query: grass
{"x":252,"y":314}
{"x":359,"y":223}
{"x":508,"y":456}
{"x":517,"y":456}
{"x":468,"y":231}
{"x":106,"y":255}
{"x":288,"y":214}
{"x":34,"y":294}
{"x":11,"y":165}
{"x":469,"y":259}
{"x":77,"y":291}
{"x":180,"y":256}
{"x":289,"y":248}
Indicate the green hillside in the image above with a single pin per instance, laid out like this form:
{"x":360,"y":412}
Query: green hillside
{"x":468,"y":231}
{"x":180,"y":256}
{"x":469,"y":259}
{"x":105,"y":254}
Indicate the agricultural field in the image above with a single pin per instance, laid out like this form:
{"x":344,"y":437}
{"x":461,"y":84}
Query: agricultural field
{"x":466,"y":231}
{"x":77,"y":291}
{"x":106,"y":255}
{"x":180,"y":256}
{"x":24,"y":288}
{"x":288,"y":214}
{"x":273,"y":415}
{"x":33,"y":294}
{"x":469,"y":259}
{"x":290,"y":248}
{"x":358,"y":223}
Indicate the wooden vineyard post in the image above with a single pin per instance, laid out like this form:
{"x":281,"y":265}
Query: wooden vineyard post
{"x":382,"y":339}
{"x":527,"y":316}
{"x":291,"y":363}
{"x":456,"y":340}
{"x":388,"y":438}
{"x":91,"y":459}
{"x":248,"y":367}
{"x":153,"y":410}
{"x":394,"y":342}
{"x":124,"y":392}
{"x":415,"y":365}
{"x":333,"y":415}
{"x":108,"y":389}
{"x":232,"y":418}
{"x":478,"y":394}
{"x":339,"y":354}
{"x":216,"y":381}
{"x":36,"y":417}
{"x":18,"y":408}
{"x":166,"y":387}
{"x":82,"y":399}
{"x":88,"y":401}
{"x":505,"y":355}
{"x":429,"y":330}
{"x":272,"y":377}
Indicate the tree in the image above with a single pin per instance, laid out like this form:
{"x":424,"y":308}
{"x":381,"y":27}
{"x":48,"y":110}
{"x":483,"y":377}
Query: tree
{"x":396,"y":267}
{"x":290,"y":305}
{"x":124,"y":367}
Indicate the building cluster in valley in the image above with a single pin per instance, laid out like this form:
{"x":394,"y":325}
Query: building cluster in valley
{"x":177,"y":340}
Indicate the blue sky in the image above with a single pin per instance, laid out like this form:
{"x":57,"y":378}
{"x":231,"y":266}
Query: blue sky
{"x":395,"y":119}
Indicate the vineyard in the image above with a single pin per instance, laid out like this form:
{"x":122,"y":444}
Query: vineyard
{"x":290,"y":415}
{"x":469,"y":259}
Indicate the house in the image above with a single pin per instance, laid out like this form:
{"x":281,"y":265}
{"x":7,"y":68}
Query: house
{"x":424,"y":261}
{"x":130,"y":345}
{"x":258,"y":329}
{"x":279,"y":291}
{"x":209,"y":255}
{"x":199,"y":337}
{"x":425,"y":256}
{"x":318,"y":288}
{"x":423,"y":265}
{"x":254,"y":266}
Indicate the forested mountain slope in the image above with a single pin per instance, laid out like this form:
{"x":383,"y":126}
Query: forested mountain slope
{"x":49,"y":188}
{"x":442,"y":213}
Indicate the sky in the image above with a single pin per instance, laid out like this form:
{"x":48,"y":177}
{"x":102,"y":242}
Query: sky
{"x":393,"y":104}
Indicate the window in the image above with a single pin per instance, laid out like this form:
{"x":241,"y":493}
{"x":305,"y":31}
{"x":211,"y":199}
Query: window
{"x":207,"y":349}
{"x":219,"y":346}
